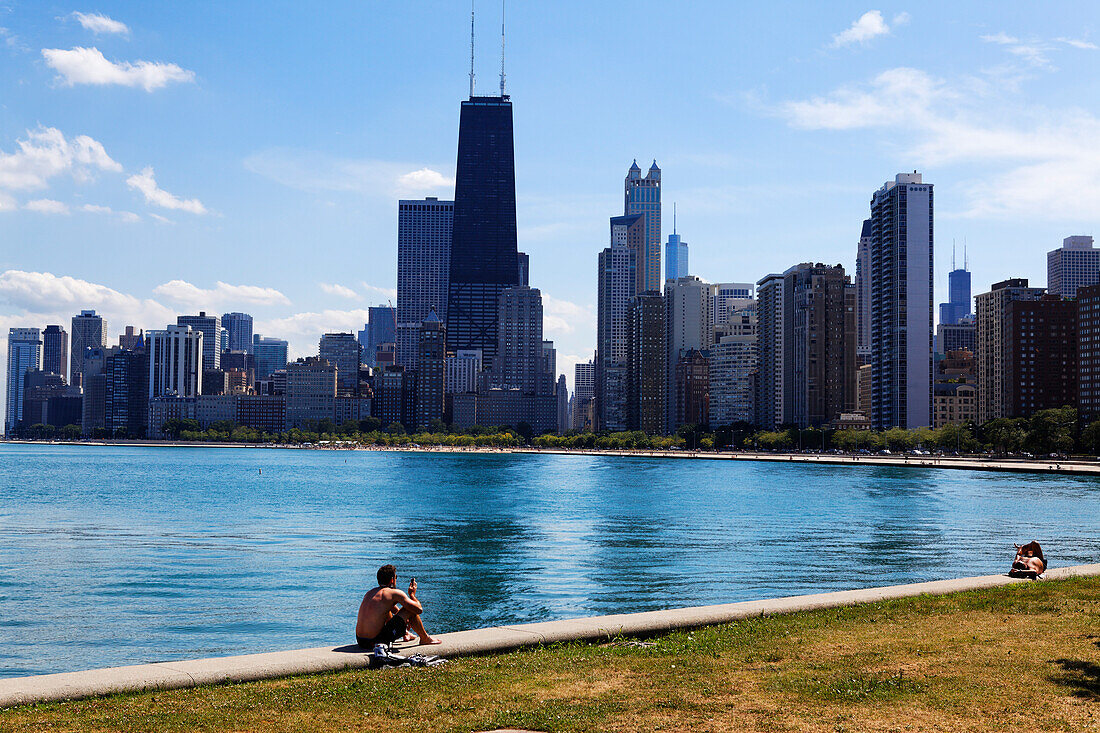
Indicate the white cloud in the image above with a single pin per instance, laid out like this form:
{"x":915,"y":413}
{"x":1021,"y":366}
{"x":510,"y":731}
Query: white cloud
{"x":562,"y":317}
{"x":147,"y":184}
{"x":89,"y":66}
{"x":390,"y":293}
{"x":162,"y":219}
{"x":902,"y":18}
{"x":222,"y":294}
{"x":1042,"y":163}
{"x":7,"y":203}
{"x":46,"y":206}
{"x":44,"y":292}
{"x":304,"y":330}
{"x":129,"y":217}
{"x":1034,"y":52}
{"x":869,"y":25}
{"x":1000,"y":37}
{"x":97,"y":23}
{"x":46,"y":153}
{"x":126,"y":216}
{"x":1078,"y":43}
{"x":340,"y":290}
{"x":314,"y":172}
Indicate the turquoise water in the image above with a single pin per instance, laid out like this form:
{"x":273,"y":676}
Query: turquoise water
{"x":112,"y":555}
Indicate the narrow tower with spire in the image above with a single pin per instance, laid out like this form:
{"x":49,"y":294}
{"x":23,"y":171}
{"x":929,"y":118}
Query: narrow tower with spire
{"x":676,"y":253}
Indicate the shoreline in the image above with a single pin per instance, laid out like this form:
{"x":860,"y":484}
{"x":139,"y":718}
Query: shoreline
{"x":966,"y":463}
{"x":56,"y":687}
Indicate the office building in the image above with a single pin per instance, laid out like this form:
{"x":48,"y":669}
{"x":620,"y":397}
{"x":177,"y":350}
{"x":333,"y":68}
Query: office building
{"x":175,"y":362}
{"x":270,"y":355}
{"x":819,"y":344}
{"x":55,"y":351}
{"x":957,"y":306}
{"x":648,"y":364}
{"x":48,"y":401}
{"x":770,"y":350}
{"x":93,"y":414}
{"x":126,"y":392}
{"x":240,"y":361}
{"x":131,"y":339}
{"x":424,"y":231}
{"x":211,"y":329}
{"x":729,"y":298}
{"x":462,"y":370}
{"x":992,"y":344}
{"x":343,"y":351}
{"x":863,"y":294}
{"x":88,"y":331}
{"x":733,"y":368}
{"x":676,"y":256}
{"x":961,"y":335}
{"x":380,"y":328}
{"x":689,"y":325}
{"x":238,"y":329}
{"x":1075,"y":264}
{"x":310,"y":393}
{"x":617,"y":280}
{"x":901,"y":302}
{"x":642,"y":196}
{"x":431,"y":360}
{"x":483,"y":259}
{"x":24,"y":355}
{"x":519,"y":339}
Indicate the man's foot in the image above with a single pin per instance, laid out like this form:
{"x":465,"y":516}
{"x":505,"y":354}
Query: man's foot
{"x":408,"y":637}
{"x":428,"y":641}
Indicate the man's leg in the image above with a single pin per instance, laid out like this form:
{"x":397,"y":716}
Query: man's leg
{"x":414,"y":623}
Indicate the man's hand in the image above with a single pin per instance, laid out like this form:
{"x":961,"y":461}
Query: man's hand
{"x":412,"y":588}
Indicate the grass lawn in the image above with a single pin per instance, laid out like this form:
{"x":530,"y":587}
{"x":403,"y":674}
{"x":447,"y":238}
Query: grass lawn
{"x":1020,"y":658}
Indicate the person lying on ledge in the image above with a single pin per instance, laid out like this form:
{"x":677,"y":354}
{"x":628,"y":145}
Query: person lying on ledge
{"x":1029,"y":561}
{"x":380,"y":620}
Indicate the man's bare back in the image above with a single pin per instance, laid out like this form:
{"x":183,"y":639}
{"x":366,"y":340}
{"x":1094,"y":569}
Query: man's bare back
{"x":383,"y":603}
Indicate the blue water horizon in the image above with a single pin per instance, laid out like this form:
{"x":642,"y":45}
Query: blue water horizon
{"x":113,"y":555}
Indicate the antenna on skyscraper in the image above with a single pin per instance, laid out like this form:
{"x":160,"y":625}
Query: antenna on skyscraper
{"x":673,"y":217}
{"x":966,"y":261}
{"x":471,"y":49}
{"x":952,"y":254}
{"x":502,"y":49}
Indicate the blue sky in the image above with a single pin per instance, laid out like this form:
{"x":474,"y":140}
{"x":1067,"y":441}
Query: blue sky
{"x":159,"y":158}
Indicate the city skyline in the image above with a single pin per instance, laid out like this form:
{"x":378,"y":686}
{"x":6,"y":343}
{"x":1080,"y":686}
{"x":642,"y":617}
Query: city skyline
{"x":297,"y":298}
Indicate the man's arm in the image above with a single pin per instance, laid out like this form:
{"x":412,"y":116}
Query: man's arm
{"x":408,"y":602}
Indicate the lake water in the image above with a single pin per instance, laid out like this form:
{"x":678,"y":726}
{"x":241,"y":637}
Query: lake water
{"x":115,"y":555}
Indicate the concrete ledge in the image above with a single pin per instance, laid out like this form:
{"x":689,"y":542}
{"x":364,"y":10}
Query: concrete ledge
{"x":250,"y":667}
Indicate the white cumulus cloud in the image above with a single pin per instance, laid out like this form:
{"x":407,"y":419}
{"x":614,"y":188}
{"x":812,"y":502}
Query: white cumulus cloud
{"x":310,"y":171}
{"x":81,"y":65}
{"x":563,"y":317}
{"x":147,"y":184}
{"x":869,"y":25}
{"x":98,"y":23}
{"x":222,"y":294}
{"x":424,"y":179}
{"x":390,"y":293}
{"x":46,"y":153}
{"x":304,"y":330}
{"x":340,"y":290}
{"x":46,"y":206}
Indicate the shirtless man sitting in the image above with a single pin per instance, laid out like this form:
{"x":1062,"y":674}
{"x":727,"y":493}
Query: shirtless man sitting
{"x":380,"y":621}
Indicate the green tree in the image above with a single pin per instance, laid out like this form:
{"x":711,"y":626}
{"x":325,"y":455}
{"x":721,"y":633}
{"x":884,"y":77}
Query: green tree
{"x":1052,"y":431}
{"x":395,"y":428}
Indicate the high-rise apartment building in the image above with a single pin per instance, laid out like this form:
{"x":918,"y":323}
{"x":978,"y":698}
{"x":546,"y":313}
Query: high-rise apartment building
{"x":483,"y":259}
{"x":381,"y":328}
{"x":343,"y":351}
{"x":1075,"y":264}
{"x":1041,"y":346}
{"x":238,"y":328}
{"x":270,"y":355}
{"x":126,"y":397}
{"x":584,"y":394}
{"x":689,"y":324}
{"x":562,"y":393}
{"x":643,"y":197}
{"x":310,"y":392}
{"x":692,"y":398}
{"x":55,"y":351}
{"x":863,"y":294}
{"x":1088,"y":353}
{"x":519,"y":334}
{"x":175,"y":362}
{"x":394,"y":396}
{"x":431,"y":360}
{"x":424,"y":231}
{"x":733,"y":367}
{"x":819,"y":344}
{"x":901,"y":302}
{"x":770,"y":350}
{"x":88,"y":331}
{"x":992,"y":344}
{"x":617,"y":280}
{"x":211,"y":328}
{"x":462,"y":370}
{"x":24,"y":355}
{"x":648,"y":364}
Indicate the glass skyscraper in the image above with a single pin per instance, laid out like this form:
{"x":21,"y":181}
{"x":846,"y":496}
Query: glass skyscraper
{"x":483,"y":259}
{"x":424,"y":229}
{"x":239,"y":328}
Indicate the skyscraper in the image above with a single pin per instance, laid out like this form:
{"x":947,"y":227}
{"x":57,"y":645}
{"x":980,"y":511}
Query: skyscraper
{"x":483,"y":259}
{"x":131,"y":339}
{"x":992,"y":344}
{"x":126,"y":375}
{"x":270,"y":354}
{"x":863,"y":294}
{"x":676,"y":255}
{"x":24,"y":355}
{"x":175,"y":362}
{"x":343,"y":351}
{"x":584,"y":394}
{"x":958,"y":296}
{"x":431,"y":369}
{"x":648,"y":363}
{"x":1073,"y":265}
{"x":770,"y":408}
{"x":519,"y":335}
{"x":901,"y":302}
{"x":424,"y":231}
{"x":88,"y":331}
{"x":239,"y":328}
{"x":643,"y":196}
{"x":732,"y":368}
{"x":617,"y":280}
{"x":211,"y":328}
{"x":55,"y":351}
{"x":380,"y":328}
{"x":689,"y":325}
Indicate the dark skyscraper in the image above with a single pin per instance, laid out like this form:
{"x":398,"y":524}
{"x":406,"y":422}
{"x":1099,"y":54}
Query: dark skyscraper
{"x":958,"y":295}
{"x":55,"y":351}
{"x":484,"y":261}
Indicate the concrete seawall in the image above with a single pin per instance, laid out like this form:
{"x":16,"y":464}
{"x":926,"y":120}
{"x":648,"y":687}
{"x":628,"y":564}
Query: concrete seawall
{"x":191,"y":673}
